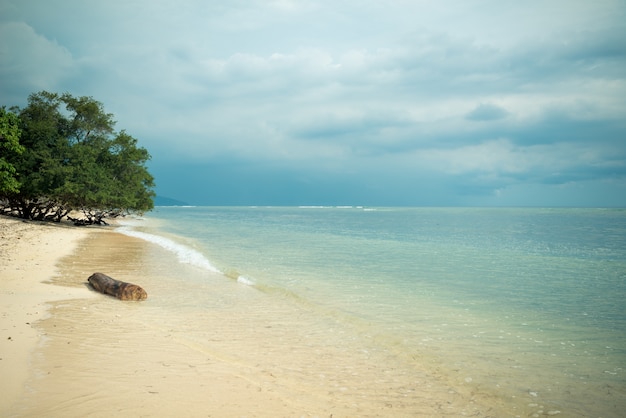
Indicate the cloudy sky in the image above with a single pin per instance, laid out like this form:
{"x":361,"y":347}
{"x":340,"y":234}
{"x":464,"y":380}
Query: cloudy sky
{"x":345,"y":102}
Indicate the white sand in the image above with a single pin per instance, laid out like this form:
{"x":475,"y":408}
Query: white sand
{"x":29,"y":252}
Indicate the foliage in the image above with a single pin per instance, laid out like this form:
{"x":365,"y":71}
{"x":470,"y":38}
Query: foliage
{"x":74,"y":160}
{"x":9,"y":148}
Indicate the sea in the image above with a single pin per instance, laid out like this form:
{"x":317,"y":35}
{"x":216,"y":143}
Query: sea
{"x":521,"y":307}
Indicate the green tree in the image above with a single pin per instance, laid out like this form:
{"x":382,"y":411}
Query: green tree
{"x":9,"y":149}
{"x":87,"y":120}
{"x":74,"y":160}
{"x":40,"y":169}
{"x":109,"y":178}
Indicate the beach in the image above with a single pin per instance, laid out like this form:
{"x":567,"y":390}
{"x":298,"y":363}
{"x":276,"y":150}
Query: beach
{"x":29,"y":253}
{"x":210,"y":344}
{"x":70,"y":351}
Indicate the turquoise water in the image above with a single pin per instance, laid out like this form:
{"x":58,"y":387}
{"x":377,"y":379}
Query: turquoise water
{"x":527,"y":305}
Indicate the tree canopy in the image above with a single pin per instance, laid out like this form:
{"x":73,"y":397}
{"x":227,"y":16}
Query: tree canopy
{"x":61,"y":154}
{"x":9,"y":148}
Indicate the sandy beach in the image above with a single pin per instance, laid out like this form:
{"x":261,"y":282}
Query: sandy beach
{"x":70,"y":351}
{"x":29,"y":253}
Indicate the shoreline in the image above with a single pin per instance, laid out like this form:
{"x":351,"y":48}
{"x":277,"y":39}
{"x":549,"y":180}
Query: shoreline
{"x":102,"y":356}
{"x":225,"y":352}
{"x":30,"y":253}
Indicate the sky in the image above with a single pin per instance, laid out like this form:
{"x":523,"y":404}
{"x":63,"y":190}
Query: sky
{"x":345,"y":102}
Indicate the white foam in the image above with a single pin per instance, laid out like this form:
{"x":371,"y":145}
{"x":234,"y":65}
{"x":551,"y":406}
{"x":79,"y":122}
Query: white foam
{"x":245,"y":280}
{"x":185,"y":254}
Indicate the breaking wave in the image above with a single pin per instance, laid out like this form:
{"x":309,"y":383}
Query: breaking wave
{"x":184,"y":253}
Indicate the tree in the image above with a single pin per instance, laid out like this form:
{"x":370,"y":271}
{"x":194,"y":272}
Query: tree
{"x":9,"y":149}
{"x":40,"y":167}
{"x":74,"y":160}
{"x":109,"y":178}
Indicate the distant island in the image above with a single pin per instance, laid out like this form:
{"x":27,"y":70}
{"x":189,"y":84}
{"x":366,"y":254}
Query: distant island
{"x":168,"y":201}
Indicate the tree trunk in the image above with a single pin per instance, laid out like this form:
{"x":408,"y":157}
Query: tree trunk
{"x":121,"y":290}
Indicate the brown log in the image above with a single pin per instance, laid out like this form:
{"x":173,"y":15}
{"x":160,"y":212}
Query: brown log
{"x":121,"y":290}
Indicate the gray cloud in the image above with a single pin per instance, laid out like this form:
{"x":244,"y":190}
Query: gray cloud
{"x":384,"y":94}
{"x":487,"y":112}
{"x":30,"y":61}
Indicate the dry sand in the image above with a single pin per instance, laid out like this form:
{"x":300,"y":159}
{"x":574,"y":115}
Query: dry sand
{"x":29,"y":253}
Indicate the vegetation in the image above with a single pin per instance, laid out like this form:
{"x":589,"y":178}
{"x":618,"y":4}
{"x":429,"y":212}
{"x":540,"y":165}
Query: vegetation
{"x":9,"y":148}
{"x":69,"y":158}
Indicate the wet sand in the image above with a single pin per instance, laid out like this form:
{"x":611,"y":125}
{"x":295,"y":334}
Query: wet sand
{"x":94,"y":355}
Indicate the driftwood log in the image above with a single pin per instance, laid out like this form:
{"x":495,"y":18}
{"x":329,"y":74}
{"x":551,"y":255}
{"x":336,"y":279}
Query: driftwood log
{"x":121,"y":290}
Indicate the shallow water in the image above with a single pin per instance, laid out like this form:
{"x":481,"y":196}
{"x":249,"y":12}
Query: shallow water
{"x":372,"y":312}
{"x":527,"y":303}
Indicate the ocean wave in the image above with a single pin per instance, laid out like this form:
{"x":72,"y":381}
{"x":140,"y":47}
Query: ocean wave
{"x":184,"y":253}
